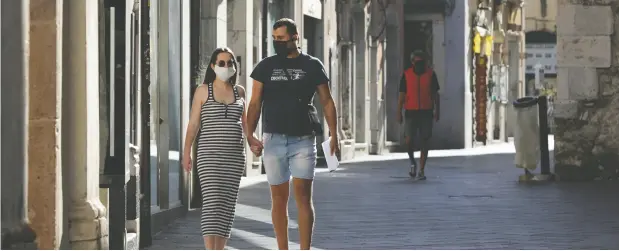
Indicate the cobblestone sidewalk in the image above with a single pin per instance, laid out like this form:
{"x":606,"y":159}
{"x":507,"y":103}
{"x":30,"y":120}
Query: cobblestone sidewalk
{"x":468,"y":202}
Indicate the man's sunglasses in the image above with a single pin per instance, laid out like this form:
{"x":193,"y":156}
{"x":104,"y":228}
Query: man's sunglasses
{"x":222,"y":63}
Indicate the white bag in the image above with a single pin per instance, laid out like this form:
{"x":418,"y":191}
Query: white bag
{"x":526,"y":137}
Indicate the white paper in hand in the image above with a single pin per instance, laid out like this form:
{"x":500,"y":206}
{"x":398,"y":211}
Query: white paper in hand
{"x":332,"y":162}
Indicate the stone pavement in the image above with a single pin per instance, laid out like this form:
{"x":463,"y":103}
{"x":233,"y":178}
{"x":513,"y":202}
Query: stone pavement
{"x":471,"y":201}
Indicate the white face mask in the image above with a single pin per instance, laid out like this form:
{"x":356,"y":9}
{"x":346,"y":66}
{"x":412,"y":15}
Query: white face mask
{"x":224,"y":73}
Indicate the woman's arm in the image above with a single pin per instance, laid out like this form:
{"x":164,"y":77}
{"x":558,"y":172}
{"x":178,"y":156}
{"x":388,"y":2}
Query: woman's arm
{"x":241,"y":91}
{"x":194,"y":118}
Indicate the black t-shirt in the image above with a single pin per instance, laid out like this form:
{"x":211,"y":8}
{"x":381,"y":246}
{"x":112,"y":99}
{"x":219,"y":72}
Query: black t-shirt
{"x":288,"y":93}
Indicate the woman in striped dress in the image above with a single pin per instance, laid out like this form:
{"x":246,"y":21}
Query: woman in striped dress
{"x":218,"y":114}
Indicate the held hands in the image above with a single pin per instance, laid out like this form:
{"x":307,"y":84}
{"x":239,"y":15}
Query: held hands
{"x":255,"y":145}
{"x":436,"y":115}
{"x":399,"y":117}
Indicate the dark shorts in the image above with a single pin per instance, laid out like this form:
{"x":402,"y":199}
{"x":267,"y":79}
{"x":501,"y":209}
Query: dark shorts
{"x":419,"y":123}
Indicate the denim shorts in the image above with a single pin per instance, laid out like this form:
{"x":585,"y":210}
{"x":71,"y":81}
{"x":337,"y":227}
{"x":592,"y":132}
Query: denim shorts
{"x":286,"y":156}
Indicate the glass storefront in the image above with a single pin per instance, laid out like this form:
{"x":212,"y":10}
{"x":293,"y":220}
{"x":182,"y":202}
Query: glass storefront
{"x":174,"y":102}
{"x":154,"y":117}
{"x":165,"y":90}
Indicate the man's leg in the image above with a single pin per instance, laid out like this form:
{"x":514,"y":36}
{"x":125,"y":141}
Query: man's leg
{"x":305,"y":206}
{"x":302,"y":157}
{"x":278,"y":175}
{"x":279,"y":213}
{"x":425,"y":133}
{"x":410,"y":149}
{"x":410,"y":132}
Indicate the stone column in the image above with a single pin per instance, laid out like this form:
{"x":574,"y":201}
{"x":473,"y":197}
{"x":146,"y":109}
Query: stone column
{"x":16,"y":234}
{"x":240,"y":40}
{"x":516,"y":47}
{"x":373,"y":75}
{"x":456,"y":91}
{"x":327,"y":52}
{"x":362,"y":109}
{"x":395,"y":38}
{"x":87,"y":222}
{"x":45,"y":207}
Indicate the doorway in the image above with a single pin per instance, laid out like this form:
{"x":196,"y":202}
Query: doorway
{"x":417,"y":36}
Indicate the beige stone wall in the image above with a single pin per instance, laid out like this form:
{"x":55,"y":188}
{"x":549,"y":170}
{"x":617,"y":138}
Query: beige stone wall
{"x":533,"y":15}
{"x":587,"y":109}
{"x":45,"y":175}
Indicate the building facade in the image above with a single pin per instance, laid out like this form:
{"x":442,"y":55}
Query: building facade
{"x":497,"y":67}
{"x":57,"y":62}
{"x":541,"y":42}
{"x":111,"y":85}
{"x":374,"y":40}
{"x":456,"y":35}
{"x":106,"y":102}
{"x":541,"y":15}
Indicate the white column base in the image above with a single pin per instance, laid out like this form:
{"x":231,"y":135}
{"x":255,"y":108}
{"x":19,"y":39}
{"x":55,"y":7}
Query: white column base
{"x":88,"y":226}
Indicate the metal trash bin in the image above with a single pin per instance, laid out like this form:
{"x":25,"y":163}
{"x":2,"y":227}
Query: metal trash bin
{"x":527,"y":133}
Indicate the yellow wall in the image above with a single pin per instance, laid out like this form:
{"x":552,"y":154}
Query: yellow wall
{"x":534,"y":19}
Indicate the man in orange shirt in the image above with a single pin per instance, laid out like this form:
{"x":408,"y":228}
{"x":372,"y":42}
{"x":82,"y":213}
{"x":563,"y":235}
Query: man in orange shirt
{"x":419,"y":98}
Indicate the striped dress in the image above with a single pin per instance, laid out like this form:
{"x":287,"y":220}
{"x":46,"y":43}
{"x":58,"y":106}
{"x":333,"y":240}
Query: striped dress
{"x":221,"y":162}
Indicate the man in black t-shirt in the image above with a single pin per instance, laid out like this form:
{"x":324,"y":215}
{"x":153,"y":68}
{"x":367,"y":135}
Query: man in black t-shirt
{"x":283,"y":91}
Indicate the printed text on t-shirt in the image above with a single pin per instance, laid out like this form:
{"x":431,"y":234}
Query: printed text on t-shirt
{"x":280,"y":75}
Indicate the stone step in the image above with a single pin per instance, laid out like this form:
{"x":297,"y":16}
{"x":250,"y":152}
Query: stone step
{"x":132,"y":241}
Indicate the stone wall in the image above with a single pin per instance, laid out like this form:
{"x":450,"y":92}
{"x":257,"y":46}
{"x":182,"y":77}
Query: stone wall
{"x":45,"y":195}
{"x":587,"y":109}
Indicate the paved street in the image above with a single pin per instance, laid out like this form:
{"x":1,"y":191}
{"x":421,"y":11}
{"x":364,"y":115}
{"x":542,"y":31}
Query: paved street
{"x":468,"y":202}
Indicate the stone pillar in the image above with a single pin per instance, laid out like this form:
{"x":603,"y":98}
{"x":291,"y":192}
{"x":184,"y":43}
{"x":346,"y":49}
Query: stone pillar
{"x":362,"y":108}
{"x":393,"y":73}
{"x":516,"y":47}
{"x":586,"y":114}
{"x":512,"y":86}
{"x":87,"y":222}
{"x":376,"y":69}
{"x":45,"y":207}
{"x":240,"y":40}
{"x":456,"y":91}
{"x":373,"y":66}
{"x":16,"y":234}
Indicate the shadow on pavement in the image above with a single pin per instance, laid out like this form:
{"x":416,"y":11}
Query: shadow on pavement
{"x":468,"y":202}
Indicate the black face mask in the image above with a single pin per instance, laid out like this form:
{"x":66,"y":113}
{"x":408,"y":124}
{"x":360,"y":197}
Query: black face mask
{"x":281,"y":48}
{"x":419,"y":66}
